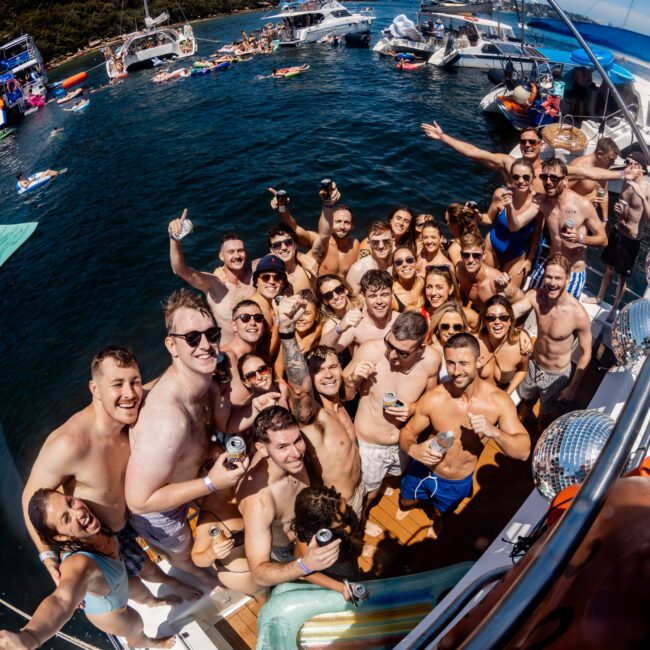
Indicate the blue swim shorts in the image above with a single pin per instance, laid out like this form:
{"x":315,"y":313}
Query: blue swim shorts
{"x":445,"y":494}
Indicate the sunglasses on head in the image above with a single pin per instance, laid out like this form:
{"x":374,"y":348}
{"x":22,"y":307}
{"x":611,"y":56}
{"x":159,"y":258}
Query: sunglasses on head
{"x":245,"y":318}
{"x":277,"y":245}
{"x":467,"y":255}
{"x":521,"y":177}
{"x":193,"y":338}
{"x":445,"y":327}
{"x":267,"y":277}
{"x":328,"y":295}
{"x":491,"y":318}
{"x":402,"y":354}
{"x":551,"y":177}
{"x":529,"y":141}
{"x":403,"y":260}
{"x":262,"y":371}
{"x":374,"y":243}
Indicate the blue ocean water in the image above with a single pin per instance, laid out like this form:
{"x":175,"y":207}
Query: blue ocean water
{"x":97,"y":267}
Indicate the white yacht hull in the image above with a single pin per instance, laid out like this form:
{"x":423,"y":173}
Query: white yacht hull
{"x":475,"y":57}
{"x":424,"y":50}
{"x":339,"y":28}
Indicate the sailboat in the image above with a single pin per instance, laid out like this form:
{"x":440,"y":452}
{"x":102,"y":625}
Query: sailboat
{"x":142,"y":49}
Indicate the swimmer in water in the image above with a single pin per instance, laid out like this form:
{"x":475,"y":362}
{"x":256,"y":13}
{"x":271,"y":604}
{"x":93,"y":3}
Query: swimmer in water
{"x":55,"y":131}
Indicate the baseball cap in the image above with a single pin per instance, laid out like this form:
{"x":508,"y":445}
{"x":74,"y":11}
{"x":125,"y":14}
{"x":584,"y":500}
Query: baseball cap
{"x":269,"y":263}
{"x":638,"y":158}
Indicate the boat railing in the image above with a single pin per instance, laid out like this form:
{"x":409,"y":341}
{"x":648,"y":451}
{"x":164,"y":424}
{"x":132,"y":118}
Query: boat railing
{"x":537,"y":578}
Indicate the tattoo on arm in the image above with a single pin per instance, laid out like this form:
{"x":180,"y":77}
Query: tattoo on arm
{"x":299,"y":380}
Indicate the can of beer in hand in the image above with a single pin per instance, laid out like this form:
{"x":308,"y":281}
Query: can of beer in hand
{"x":600,"y":192}
{"x":324,"y":536}
{"x":281,"y":197}
{"x":236,"y":450}
{"x":217,"y":534}
{"x":186,"y":229}
{"x":326,"y":189}
{"x":442,"y":442}
{"x":359,"y":591}
{"x":390,"y":400}
{"x":622,"y":204}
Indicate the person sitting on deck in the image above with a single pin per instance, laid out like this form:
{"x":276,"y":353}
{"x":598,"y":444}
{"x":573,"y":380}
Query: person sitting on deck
{"x":469,"y":407}
{"x":92,"y":572}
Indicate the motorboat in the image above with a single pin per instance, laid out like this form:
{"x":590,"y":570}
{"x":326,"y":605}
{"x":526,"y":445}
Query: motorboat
{"x":458,"y":6}
{"x":311,"y":20}
{"x":23,"y":81}
{"x":403,"y":35}
{"x":147,"y":48}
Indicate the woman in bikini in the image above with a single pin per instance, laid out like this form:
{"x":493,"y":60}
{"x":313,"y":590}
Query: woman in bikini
{"x":431,"y":253}
{"x":439,"y":288}
{"x":505,"y":349}
{"x":407,"y":285}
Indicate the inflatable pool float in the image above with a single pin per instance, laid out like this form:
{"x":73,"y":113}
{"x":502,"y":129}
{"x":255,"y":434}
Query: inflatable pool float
{"x":5,"y":133}
{"x":288,"y":73}
{"x":80,"y":106}
{"x":224,"y":65}
{"x":74,"y":80}
{"x":36,"y":100}
{"x":201,"y":64}
{"x":197,"y":71}
{"x":35,"y":181}
{"x":302,"y":615}
{"x":405,"y":65}
{"x":70,"y":96}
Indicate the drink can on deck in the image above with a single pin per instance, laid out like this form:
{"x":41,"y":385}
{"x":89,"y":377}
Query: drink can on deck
{"x":217,"y":534}
{"x":324,"y":536}
{"x":236,"y":449}
{"x":390,"y":400}
{"x":442,"y":442}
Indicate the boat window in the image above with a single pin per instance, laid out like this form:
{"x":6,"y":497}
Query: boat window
{"x":489,"y":48}
{"x":340,"y":13}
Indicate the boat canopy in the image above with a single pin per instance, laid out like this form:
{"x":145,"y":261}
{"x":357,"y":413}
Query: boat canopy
{"x":6,"y":77}
{"x":617,"y":73}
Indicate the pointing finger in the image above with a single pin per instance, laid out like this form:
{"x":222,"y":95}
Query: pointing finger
{"x":184,"y":215}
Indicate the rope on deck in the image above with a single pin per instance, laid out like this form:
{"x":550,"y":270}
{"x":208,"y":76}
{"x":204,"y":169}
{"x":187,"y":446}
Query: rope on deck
{"x":62,"y":635}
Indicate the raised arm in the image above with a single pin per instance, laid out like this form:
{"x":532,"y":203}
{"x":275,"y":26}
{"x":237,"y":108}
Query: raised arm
{"x":583,"y":333}
{"x":524,"y":305}
{"x":497,"y":161}
{"x":305,"y":237}
{"x":342,"y":335}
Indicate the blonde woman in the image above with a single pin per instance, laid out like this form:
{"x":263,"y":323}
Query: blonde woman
{"x":408,"y":287}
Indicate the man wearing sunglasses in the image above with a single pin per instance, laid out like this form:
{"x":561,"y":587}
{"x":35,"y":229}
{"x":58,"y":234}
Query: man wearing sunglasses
{"x":572,"y":222}
{"x":633,"y":212}
{"x":224,"y":288}
{"x":373,"y":322}
{"x":402,"y":364}
{"x":475,"y":411}
{"x":530,"y":144}
{"x":171,"y":441}
{"x":380,"y":241}
{"x":478,"y":281}
{"x":270,"y":281}
{"x":316,"y":403}
{"x":342,"y":250}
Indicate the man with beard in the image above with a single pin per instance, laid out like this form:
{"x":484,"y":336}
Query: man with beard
{"x":572,"y":223}
{"x":87,"y":457}
{"x":477,"y":281}
{"x":390,"y":375}
{"x":222,"y":289}
{"x":267,"y":497}
{"x":359,"y":326}
{"x":380,"y":240}
{"x":560,"y":320}
{"x":474,"y":410}
{"x":316,"y":383}
{"x":170,"y":442}
{"x":342,"y":250}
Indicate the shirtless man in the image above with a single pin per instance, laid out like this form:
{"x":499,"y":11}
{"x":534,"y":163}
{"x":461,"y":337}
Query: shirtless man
{"x":380,"y":240}
{"x":331,"y":441}
{"x":373,"y":322}
{"x":560,"y":320}
{"x":248,"y":327}
{"x":530,"y":144}
{"x":603,"y":157}
{"x":471,"y":408}
{"x":342,"y":250}
{"x":170,"y":442}
{"x":223,"y":290}
{"x":572,"y":223}
{"x":401,"y":363}
{"x":478,"y":281}
{"x":87,"y":458}
{"x":633,"y":210}
{"x":266,"y":499}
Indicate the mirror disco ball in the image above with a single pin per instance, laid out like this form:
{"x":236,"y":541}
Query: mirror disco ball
{"x":568,"y":449}
{"x":631,"y":332}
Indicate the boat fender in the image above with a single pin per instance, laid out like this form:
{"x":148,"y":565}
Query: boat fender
{"x":74,"y":80}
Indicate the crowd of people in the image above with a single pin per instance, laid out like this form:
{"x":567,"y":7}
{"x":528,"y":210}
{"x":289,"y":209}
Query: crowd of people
{"x":338,"y":362}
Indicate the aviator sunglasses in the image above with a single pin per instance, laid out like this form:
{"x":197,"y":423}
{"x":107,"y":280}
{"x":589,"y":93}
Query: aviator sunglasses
{"x":262,"y":371}
{"x":245,"y":318}
{"x":531,"y":142}
{"x":328,"y":295}
{"x":193,"y":338}
{"x":467,"y":255}
{"x":403,"y":260}
{"x":521,"y":177}
{"x":277,"y":245}
{"x":551,"y":177}
{"x":491,"y":318}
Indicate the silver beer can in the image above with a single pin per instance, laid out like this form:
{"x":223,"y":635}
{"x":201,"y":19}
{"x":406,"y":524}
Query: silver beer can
{"x":236,"y":449}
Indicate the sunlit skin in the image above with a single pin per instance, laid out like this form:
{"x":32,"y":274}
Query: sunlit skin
{"x":287,"y":253}
{"x":381,"y":246}
{"x":119,"y":389}
{"x":437,"y":290}
{"x":447,"y":324}
{"x":286,"y":449}
{"x":339,"y":303}
{"x":472,"y":262}
{"x":378,"y":303}
{"x":272,"y":286}
{"x":400,"y":223}
{"x":461,"y":367}
{"x":555,"y":281}
{"x":328,"y":378}
{"x":233,"y":255}
{"x":554,"y":189}
{"x":251,"y":331}
{"x":203,"y":358}
{"x":259,"y":383}
{"x":410,"y":346}
{"x":70,"y":517}
{"x":497,"y":330}
{"x":404,"y":266}
{"x":307,"y":321}
{"x":342,"y":224}
{"x":431,"y":241}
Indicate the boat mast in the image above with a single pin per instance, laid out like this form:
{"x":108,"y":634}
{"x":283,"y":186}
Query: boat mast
{"x":605,"y":76}
{"x":146,"y":9}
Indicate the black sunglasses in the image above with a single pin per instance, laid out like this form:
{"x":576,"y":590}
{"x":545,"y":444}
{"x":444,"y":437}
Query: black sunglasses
{"x":445,"y":327}
{"x":402,"y":354}
{"x":404,"y":260}
{"x":262,"y":371}
{"x":521,"y":177}
{"x":552,"y":177}
{"x":245,"y":318}
{"x":467,"y":255}
{"x":277,"y":245}
{"x":491,"y":318}
{"x":328,"y":295}
{"x":193,"y":338}
{"x":530,"y":141}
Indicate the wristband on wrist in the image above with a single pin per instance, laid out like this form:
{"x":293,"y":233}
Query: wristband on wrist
{"x":302,"y":566}
{"x":48,"y":555}
{"x":287,"y":336}
{"x":622,"y":174}
{"x":209,"y":484}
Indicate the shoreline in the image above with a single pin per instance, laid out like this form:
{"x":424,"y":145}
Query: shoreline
{"x":54,"y":64}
